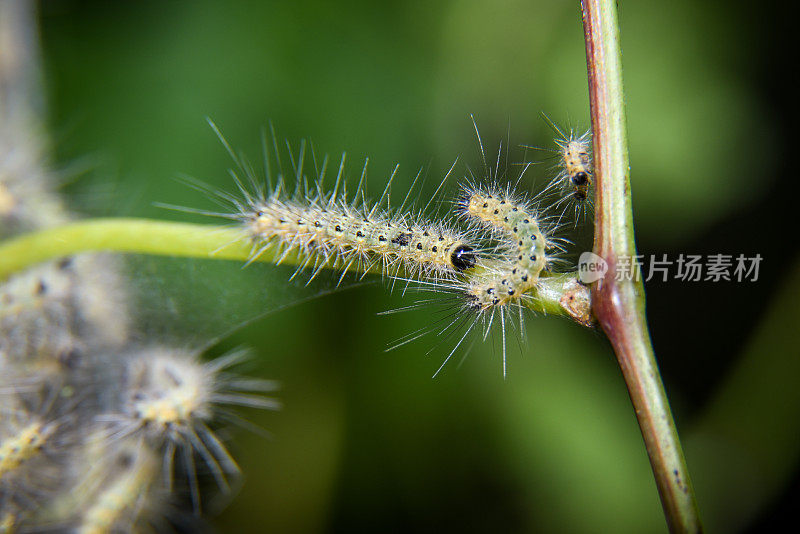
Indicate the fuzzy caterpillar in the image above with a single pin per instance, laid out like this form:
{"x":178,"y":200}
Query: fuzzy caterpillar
{"x":574,"y":178}
{"x":328,"y":229}
{"x":54,"y":315}
{"x":168,"y":398}
{"x":117,"y":503}
{"x":576,"y":163}
{"x":31,"y":452}
{"x":27,"y":442}
{"x":27,"y":201}
{"x":20,"y":449}
{"x":514,"y":251}
{"x":509,"y":279}
{"x":7,"y":522}
{"x":62,"y":327}
{"x":505,"y":275}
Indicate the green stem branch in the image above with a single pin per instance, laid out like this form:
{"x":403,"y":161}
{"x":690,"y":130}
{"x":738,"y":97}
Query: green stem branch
{"x":557,"y":294}
{"x":619,"y":304}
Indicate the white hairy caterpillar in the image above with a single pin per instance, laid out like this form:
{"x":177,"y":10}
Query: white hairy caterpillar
{"x":54,"y":314}
{"x":576,"y":164}
{"x":26,"y":198}
{"x":117,"y":493}
{"x":522,"y":243}
{"x":523,"y":246}
{"x":32,"y":447}
{"x":332,"y":229}
{"x":7,"y":521}
{"x":505,"y":277}
{"x":23,"y":443}
{"x":167,"y":399}
{"x":574,"y":178}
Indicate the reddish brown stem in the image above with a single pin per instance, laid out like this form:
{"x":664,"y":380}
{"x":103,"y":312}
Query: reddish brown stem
{"x":619,"y":299}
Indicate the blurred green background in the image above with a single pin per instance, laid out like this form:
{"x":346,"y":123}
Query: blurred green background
{"x":367,"y":440}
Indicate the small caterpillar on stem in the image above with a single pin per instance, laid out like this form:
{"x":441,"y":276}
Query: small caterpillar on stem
{"x":37,"y":435}
{"x":575,"y":177}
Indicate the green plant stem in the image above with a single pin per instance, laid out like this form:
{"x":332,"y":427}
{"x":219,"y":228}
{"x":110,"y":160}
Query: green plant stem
{"x":619,"y":304}
{"x":557,"y":295}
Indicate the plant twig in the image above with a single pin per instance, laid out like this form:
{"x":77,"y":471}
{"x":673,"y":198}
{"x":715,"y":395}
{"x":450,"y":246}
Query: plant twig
{"x":619,"y":302}
{"x":558,"y":294}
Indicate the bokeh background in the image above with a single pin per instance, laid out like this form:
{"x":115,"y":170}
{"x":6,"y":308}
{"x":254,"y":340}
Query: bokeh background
{"x":367,"y":440}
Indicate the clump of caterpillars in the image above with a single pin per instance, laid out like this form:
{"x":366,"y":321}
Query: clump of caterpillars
{"x":489,"y":252}
{"x":68,"y":362}
{"x":96,"y":426}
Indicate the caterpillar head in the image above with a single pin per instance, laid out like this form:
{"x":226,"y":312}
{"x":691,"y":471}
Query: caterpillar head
{"x":463,"y":257}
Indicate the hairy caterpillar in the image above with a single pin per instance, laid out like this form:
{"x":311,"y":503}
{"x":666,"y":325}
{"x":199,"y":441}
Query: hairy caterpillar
{"x":22,"y":443}
{"x":26,"y":201}
{"x":32,"y":447}
{"x":55,"y":314}
{"x":63,"y":328}
{"x":506,"y":276}
{"x":574,"y":178}
{"x":118,"y":490}
{"x":26,"y":442}
{"x":331,"y":229}
{"x":7,"y":522}
{"x":167,"y":399}
{"x":523,"y":248}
